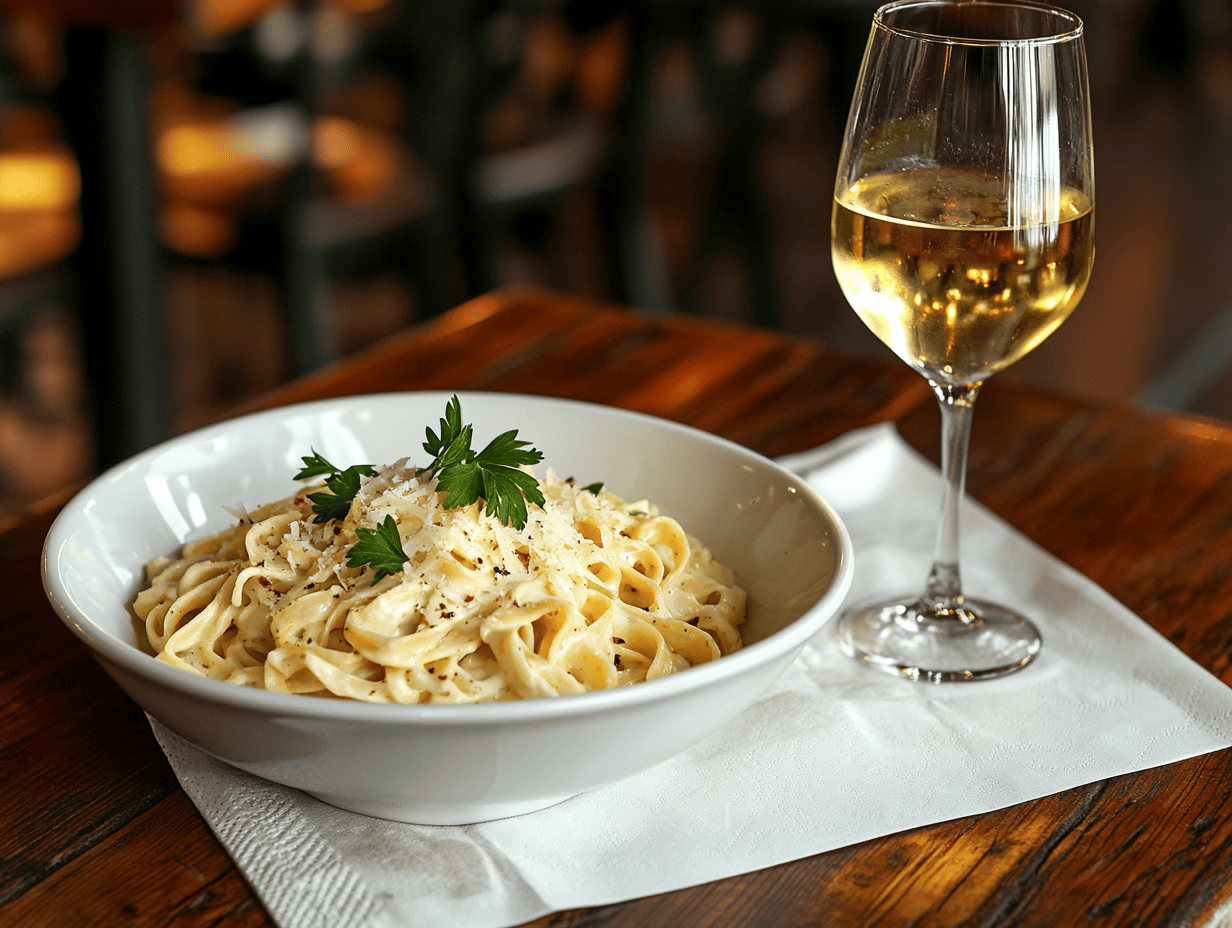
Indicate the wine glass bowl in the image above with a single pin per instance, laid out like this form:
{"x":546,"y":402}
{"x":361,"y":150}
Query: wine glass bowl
{"x":963,"y":235}
{"x":930,"y":263}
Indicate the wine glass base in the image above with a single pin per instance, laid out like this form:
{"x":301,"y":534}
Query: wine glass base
{"x":895,"y":636}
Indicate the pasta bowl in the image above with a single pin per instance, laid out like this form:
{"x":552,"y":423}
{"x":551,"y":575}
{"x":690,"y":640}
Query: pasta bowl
{"x":436,"y":763}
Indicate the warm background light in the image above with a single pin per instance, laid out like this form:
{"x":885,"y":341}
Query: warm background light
{"x":32,"y":180}
{"x":236,"y":122}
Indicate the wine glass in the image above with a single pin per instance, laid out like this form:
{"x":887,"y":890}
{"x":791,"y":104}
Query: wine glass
{"x":962,"y":235}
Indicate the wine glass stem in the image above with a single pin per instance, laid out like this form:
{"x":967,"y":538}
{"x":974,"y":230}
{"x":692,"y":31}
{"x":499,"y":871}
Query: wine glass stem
{"x":943,"y":596}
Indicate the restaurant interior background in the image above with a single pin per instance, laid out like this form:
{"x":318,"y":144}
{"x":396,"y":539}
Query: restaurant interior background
{"x":321,"y":175}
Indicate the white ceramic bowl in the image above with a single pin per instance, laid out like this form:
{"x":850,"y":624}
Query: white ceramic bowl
{"x":450,"y":764}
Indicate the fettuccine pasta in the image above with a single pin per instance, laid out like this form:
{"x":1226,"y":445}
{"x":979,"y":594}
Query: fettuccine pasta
{"x":593,"y":593}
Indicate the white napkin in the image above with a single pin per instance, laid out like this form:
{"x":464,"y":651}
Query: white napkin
{"x":834,"y":754}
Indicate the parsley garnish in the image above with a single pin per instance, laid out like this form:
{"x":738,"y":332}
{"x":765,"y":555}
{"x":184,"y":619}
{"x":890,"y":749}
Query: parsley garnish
{"x":461,"y":474}
{"x":341,"y":484}
{"x":380,"y":548}
{"x":595,"y":488}
{"x":492,"y":474}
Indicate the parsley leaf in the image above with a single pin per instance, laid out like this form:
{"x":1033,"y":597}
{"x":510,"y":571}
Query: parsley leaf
{"x":341,"y":486}
{"x":379,"y":548}
{"x":493,"y":474}
{"x":452,"y":445}
{"x":315,"y":466}
{"x":595,"y":488}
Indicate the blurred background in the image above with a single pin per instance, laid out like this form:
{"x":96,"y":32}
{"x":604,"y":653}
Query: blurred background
{"x":200,"y":200}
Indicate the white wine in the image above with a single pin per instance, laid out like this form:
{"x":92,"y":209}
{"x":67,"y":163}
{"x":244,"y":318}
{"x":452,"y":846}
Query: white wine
{"x":957,"y":280}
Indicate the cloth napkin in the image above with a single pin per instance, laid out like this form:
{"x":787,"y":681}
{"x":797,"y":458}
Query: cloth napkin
{"x":834,"y":754}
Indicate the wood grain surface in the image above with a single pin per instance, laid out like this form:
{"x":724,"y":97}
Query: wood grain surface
{"x":94,"y":829}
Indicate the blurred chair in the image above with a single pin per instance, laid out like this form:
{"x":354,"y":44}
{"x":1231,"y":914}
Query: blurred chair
{"x":111,"y":280}
{"x":735,"y":208}
{"x":511,"y":126}
{"x":735,"y":49}
{"x":114,"y":271}
{"x":348,"y":195}
{"x":117,"y":266}
{"x":1195,"y":370}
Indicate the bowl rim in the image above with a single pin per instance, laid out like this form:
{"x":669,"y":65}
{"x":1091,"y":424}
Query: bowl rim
{"x":288,"y":705}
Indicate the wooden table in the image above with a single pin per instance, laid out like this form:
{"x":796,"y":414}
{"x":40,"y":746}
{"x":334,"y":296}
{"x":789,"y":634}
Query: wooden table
{"x":94,"y":829}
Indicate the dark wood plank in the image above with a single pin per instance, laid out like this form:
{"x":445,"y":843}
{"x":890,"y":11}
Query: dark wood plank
{"x":76,"y":755}
{"x":163,"y":868}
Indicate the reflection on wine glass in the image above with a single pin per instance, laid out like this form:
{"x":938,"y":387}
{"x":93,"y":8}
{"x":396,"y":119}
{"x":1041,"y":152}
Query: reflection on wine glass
{"x":962,"y":235}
